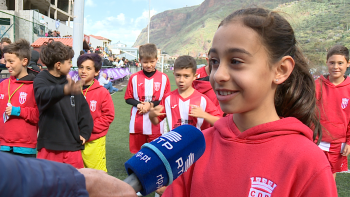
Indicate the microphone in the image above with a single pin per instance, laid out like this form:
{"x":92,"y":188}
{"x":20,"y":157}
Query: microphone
{"x":160,"y":162}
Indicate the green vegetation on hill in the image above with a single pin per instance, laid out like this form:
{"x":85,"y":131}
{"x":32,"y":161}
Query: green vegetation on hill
{"x":318,"y":24}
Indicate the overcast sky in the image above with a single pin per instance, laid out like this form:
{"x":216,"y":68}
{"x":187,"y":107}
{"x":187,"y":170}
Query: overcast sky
{"x":123,"y":20}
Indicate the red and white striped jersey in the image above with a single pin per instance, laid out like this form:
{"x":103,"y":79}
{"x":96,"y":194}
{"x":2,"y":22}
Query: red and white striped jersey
{"x":145,"y":89}
{"x":177,"y":109}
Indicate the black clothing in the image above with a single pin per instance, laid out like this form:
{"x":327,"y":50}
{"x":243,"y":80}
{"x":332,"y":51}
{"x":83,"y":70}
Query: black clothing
{"x":63,"y":118}
{"x":106,"y":62}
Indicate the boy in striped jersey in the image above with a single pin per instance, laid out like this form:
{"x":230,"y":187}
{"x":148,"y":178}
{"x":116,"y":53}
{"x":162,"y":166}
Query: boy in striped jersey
{"x":185,"y":105}
{"x":145,"y":89}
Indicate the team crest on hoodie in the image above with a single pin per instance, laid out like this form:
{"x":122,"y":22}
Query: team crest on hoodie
{"x":344,"y":103}
{"x":93,"y":105}
{"x":22,"y":97}
{"x":261,"y":187}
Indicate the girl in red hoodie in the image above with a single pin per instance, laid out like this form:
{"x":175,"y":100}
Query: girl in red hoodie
{"x":101,"y":108}
{"x":265,"y":147}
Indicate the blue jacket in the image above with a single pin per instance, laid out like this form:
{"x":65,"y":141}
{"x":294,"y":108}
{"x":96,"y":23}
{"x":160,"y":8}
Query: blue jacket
{"x":27,"y":177}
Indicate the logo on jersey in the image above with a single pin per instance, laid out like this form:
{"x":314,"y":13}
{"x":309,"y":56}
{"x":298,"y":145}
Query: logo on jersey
{"x":140,"y":84}
{"x":156,"y":86}
{"x":261,"y":187}
{"x":173,"y":106}
{"x":93,"y":105}
{"x":22,"y":97}
{"x":2,"y":96}
{"x":344,"y":103}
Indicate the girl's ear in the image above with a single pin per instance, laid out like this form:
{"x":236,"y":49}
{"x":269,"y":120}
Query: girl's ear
{"x":284,"y":68}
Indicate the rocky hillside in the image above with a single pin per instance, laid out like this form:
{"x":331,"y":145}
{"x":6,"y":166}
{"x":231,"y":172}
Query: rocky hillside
{"x":318,"y":24}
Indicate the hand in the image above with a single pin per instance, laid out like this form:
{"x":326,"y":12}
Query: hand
{"x":146,"y":107}
{"x":82,"y":139}
{"x":72,"y":87}
{"x":161,"y":190}
{"x":346,"y":150}
{"x":100,"y":184}
{"x":8,"y":110}
{"x":196,"y":112}
{"x":156,"y":111}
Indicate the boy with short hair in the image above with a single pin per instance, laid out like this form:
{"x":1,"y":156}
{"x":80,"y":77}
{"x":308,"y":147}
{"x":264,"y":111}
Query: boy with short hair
{"x":65,"y":121}
{"x":145,"y":89}
{"x":333,"y":94}
{"x":20,"y":115}
{"x":185,"y":105}
{"x":101,"y":109}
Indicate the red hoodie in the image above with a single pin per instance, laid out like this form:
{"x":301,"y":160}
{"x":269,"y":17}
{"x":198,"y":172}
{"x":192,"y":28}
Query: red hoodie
{"x":274,"y":159}
{"x":101,"y":108}
{"x":205,"y":88}
{"x":19,"y":131}
{"x":334,"y":109}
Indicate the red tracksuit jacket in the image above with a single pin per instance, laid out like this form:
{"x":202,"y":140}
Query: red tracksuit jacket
{"x":19,"y":131}
{"x":101,"y":108}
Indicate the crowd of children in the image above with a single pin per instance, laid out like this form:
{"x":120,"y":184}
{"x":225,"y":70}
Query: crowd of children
{"x":270,"y":129}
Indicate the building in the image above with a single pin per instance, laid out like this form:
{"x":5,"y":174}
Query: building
{"x":30,"y":19}
{"x":96,"y":41}
{"x":129,"y":53}
{"x":118,"y":45}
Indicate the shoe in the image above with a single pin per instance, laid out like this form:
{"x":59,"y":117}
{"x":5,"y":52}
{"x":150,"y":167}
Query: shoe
{"x":113,"y":92}
{"x":138,"y":194}
{"x":120,"y":90}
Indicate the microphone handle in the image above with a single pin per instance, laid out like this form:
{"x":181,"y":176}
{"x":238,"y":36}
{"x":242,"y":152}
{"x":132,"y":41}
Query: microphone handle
{"x":134,"y":182}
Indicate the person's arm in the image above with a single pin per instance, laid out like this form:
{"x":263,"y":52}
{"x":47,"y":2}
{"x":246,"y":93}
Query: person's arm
{"x":33,"y":177}
{"x":103,"y":122}
{"x":85,"y":121}
{"x":36,"y":177}
{"x":29,"y":114}
{"x":46,"y":96}
{"x":132,"y":102}
{"x":103,"y":80}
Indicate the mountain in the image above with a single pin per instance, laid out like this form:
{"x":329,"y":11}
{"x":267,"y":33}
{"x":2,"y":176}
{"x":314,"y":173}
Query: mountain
{"x":318,"y":24}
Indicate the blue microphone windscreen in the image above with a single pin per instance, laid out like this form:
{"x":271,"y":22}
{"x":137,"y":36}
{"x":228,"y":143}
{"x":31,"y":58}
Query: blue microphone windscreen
{"x":160,"y":162}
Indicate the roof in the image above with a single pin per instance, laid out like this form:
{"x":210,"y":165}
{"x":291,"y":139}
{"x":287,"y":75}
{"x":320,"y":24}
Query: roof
{"x":99,"y":37}
{"x":40,"y":41}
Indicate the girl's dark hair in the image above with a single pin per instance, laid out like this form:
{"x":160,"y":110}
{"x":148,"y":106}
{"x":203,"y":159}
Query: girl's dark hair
{"x":296,"y":96}
{"x":54,"y":52}
{"x":93,"y":57}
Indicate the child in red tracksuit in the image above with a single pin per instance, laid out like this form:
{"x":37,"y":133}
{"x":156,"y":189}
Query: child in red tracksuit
{"x":333,"y":94}
{"x":20,"y":115}
{"x":265,"y":146}
{"x":101,"y":108}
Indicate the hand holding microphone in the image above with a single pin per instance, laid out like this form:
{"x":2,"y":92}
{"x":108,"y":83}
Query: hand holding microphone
{"x":160,"y":162}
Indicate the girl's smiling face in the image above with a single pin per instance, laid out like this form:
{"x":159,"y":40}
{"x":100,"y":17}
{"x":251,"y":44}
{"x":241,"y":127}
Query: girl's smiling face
{"x":241,"y":75}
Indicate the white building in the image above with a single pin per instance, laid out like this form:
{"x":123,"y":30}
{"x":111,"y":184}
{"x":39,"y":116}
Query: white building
{"x":96,"y":41}
{"x":118,"y":45}
{"x":30,"y":19}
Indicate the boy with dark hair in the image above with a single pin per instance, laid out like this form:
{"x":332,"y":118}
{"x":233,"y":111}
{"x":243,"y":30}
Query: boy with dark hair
{"x":333,"y":94}
{"x":101,"y":109}
{"x":185,"y":105}
{"x":65,"y":121}
{"x":20,"y":116}
{"x":145,"y":89}
{"x":4,"y":42}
